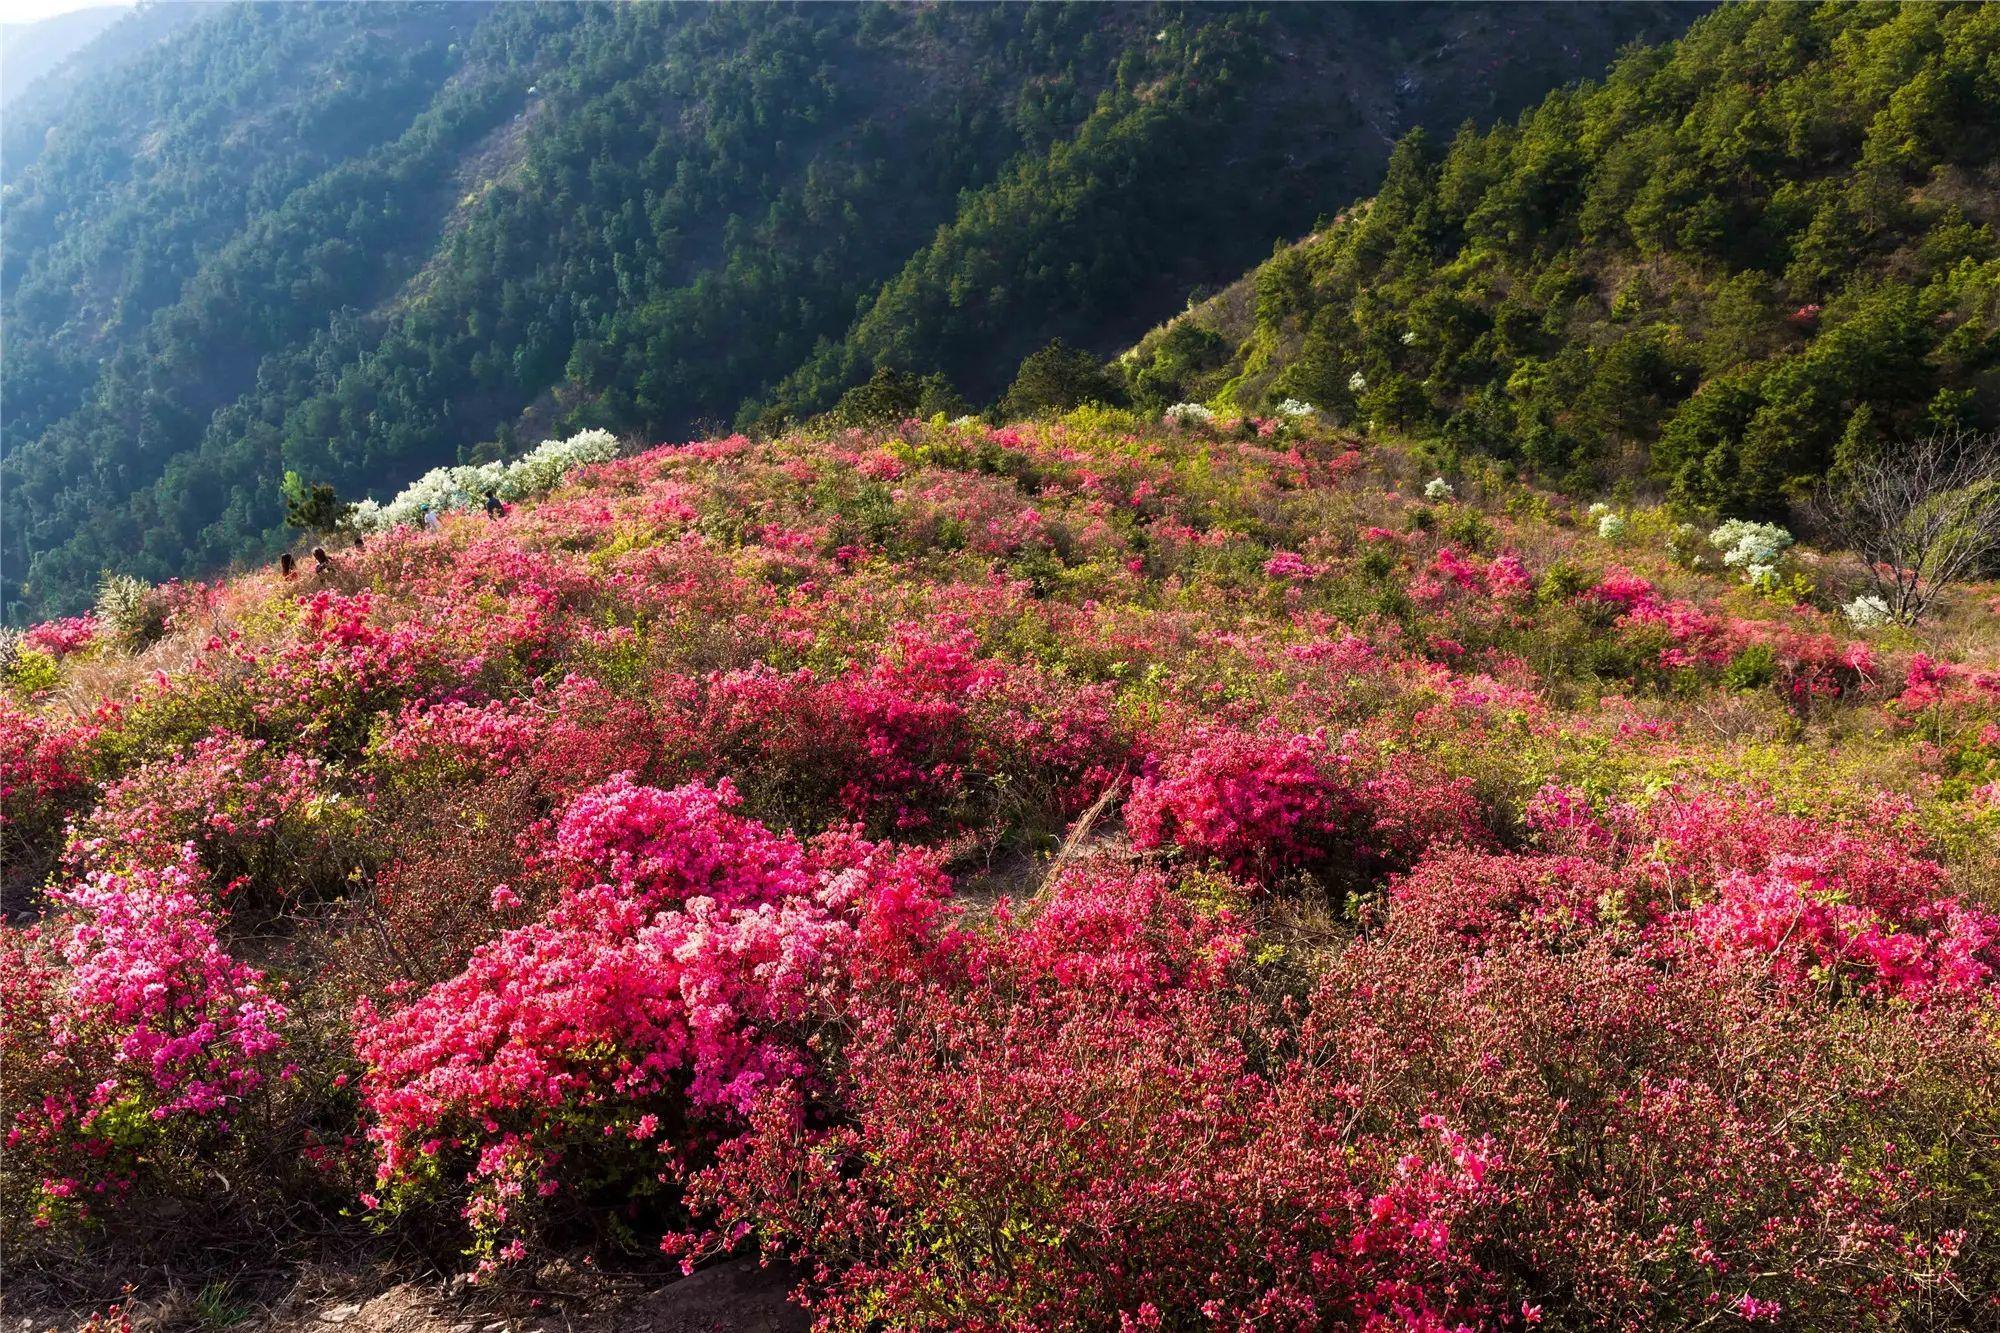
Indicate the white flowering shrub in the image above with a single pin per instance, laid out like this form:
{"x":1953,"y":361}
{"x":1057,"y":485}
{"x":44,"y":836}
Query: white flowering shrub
{"x":1357,"y":382}
{"x":1764,"y":578}
{"x":1294,"y":410}
{"x":1754,"y":548}
{"x":536,"y":472}
{"x":1409,"y":337}
{"x":1867,"y":612}
{"x":1437,"y":490}
{"x":1189,"y":414}
{"x":1684,"y":544}
{"x":129,"y":612}
{"x":1610,"y":526}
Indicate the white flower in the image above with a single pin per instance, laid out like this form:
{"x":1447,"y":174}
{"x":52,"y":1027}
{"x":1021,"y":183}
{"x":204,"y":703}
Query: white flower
{"x":1409,"y":337}
{"x":1753,"y":548}
{"x":1599,"y":510}
{"x":1294,"y":410}
{"x":536,"y":472}
{"x":1437,"y":490}
{"x":1867,"y":612}
{"x":1357,"y":382}
{"x":1188,"y":414}
{"x":1611,"y":526}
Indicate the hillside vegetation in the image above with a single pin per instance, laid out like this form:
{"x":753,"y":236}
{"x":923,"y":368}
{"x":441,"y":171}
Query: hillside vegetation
{"x":1744,"y":260}
{"x":357,"y":242}
{"x":1078,"y":875}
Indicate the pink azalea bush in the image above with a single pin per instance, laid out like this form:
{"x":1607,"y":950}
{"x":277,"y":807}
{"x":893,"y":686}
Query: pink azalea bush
{"x":150,"y":1034}
{"x":604,"y":1043}
{"x":264,"y":822}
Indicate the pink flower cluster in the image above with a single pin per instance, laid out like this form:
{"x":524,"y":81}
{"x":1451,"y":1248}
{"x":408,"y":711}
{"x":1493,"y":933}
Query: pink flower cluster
{"x":1263,"y":802}
{"x":1811,"y":902}
{"x":60,"y":638}
{"x":152,"y":993}
{"x":662,"y":993}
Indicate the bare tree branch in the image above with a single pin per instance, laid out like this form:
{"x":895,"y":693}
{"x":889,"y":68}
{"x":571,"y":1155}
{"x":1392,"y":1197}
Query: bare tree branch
{"x":1919,"y":518}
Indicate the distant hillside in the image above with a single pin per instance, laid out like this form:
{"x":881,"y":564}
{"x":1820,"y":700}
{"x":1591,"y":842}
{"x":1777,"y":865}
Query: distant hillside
{"x":44,"y":62}
{"x":359,"y":241}
{"x":29,"y":51}
{"x":1740,"y":261}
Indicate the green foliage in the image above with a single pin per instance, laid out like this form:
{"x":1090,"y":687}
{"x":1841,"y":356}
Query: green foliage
{"x":1744,"y":257}
{"x":129,"y":611}
{"x":1057,"y":379}
{"x":29,"y":671}
{"x":359,"y":242}
{"x":1752,"y":669}
{"x":316,"y":509}
{"x":891,"y":396}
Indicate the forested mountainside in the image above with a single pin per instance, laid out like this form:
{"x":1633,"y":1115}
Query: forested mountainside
{"x":1746,"y":258}
{"x":359,"y":241}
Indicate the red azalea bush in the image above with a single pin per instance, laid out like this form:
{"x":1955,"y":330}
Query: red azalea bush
{"x":60,"y":638}
{"x":567,"y":735}
{"x":1261,"y":803}
{"x":42,"y":779}
{"x":930,"y":737}
{"x":1081,"y":1132}
{"x":1815,"y":903}
{"x":1682,"y":1141}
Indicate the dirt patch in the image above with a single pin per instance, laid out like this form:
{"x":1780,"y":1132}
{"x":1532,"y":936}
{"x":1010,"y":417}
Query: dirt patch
{"x":737,"y":1296}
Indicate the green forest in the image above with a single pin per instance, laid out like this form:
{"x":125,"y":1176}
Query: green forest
{"x":1744,"y":261}
{"x":359,"y":241}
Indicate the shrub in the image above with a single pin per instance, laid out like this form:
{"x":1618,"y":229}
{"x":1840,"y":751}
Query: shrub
{"x":1676,"y":1142}
{"x":131,"y":612}
{"x":42,"y":780}
{"x":266,"y":824}
{"x":604,"y":1047}
{"x":1264,"y":803}
{"x":134,"y":1040}
{"x":444,"y":489}
{"x":1753,"y":548}
{"x":1090,"y":1095}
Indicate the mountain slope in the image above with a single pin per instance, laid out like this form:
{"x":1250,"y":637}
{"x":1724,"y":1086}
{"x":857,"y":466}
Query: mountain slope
{"x":357,"y":242}
{"x":31,"y":51}
{"x":1744,"y":257}
{"x":1178,"y":186}
{"x":1421,"y":907}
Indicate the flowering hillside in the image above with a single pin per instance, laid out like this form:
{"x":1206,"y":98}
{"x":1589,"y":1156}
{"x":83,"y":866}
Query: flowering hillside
{"x":1080,"y":875}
